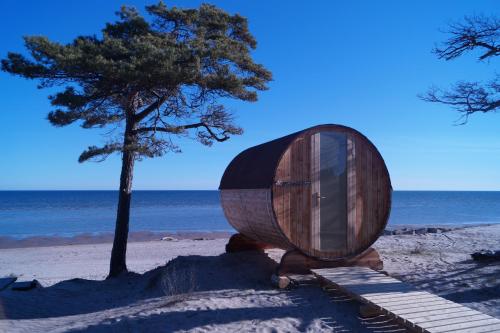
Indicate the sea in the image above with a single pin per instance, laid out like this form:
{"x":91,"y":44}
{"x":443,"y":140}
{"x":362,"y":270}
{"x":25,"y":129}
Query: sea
{"x":69,"y":213}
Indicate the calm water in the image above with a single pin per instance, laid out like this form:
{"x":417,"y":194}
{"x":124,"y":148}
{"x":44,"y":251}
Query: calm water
{"x":30,"y":213}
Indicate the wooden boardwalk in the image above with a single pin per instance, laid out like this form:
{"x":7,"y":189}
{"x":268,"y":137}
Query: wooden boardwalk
{"x":418,"y":310}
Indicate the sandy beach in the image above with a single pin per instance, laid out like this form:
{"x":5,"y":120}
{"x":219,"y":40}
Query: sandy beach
{"x":190,"y":285}
{"x":250,"y":166}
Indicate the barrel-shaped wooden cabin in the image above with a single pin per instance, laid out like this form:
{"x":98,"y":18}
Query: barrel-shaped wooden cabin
{"x":324,"y":191}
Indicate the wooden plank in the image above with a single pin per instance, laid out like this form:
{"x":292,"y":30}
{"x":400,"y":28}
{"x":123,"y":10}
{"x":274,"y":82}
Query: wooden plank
{"x":403,"y":311}
{"x":365,"y":278}
{"x":351,"y":195}
{"x":298,"y":193}
{"x":483,"y":323}
{"x":420,"y":315}
{"x":370,"y":286}
{"x":293,"y":195}
{"x":406,"y":300}
{"x":390,"y":297}
{"x":440,"y":316}
{"x":494,"y":328}
{"x":286,"y":195}
{"x":360,"y":188}
{"x":372,"y":289}
{"x":306,"y":194}
{"x":368,"y":223}
{"x":413,"y":306}
{"x":454,"y":320}
{"x":315,"y":189}
{"x":411,"y":295}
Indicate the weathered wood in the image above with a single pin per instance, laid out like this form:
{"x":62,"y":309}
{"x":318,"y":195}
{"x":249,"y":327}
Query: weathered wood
{"x":250,"y":212}
{"x":370,"y":193}
{"x":315,"y":188}
{"x":433,"y":317}
{"x":418,"y":310}
{"x":295,"y":262}
{"x":240,"y":243}
{"x":406,"y":300}
{"x":454,"y":320}
{"x":368,"y":311}
{"x":466,"y":326}
{"x":494,"y":328}
{"x":351,"y":196}
{"x":270,"y":193}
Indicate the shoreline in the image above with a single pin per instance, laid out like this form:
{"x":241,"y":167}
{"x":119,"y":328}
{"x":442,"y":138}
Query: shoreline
{"x":9,"y":242}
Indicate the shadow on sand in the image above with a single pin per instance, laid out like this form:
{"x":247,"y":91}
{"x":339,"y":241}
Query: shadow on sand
{"x":183,"y":275}
{"x":229,"y":291}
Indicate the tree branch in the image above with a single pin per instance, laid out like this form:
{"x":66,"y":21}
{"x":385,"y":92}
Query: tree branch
{"x":181,"y":128}
{"x":144,"y":113}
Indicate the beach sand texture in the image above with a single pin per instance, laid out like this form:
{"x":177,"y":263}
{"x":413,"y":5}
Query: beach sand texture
{"x":191,"y":285}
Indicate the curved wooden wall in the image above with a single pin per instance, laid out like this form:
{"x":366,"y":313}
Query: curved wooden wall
{"x":250,"y":212}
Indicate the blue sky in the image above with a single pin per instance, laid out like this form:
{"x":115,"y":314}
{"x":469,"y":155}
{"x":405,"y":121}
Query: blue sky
{"x":356,"y":63}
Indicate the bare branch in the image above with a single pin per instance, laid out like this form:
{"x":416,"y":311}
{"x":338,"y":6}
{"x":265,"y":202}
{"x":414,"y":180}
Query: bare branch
{"x":468,"y":97}
{"x":475,"y":32}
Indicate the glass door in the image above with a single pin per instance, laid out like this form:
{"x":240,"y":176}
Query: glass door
{"x":329,"y":190}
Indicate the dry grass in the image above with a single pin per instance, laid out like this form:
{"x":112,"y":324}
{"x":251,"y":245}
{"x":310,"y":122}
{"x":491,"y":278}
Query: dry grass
{"x":179,"y":284}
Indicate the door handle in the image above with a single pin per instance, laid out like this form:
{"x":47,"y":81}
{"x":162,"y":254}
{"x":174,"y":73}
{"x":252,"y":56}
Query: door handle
{"x":318,"y":196}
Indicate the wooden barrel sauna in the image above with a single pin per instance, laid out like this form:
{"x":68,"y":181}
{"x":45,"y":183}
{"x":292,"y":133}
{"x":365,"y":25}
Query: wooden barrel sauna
{"x":324,"y":191}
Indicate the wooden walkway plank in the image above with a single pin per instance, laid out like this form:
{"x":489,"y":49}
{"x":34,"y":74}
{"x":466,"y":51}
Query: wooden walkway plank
{"x":406,"y":300}
{"x":440,"y":316}
{"x":418,"y":310}
{"x":417,"y":306}
{"x":495,"y":328}
{"x":434,"y":313}
{"x":426,"y":308}
{"x":456,"y":320}
{"x":396,"y":295}
{"x":470,"y":324}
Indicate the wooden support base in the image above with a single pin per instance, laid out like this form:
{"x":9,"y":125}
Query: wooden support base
{"x":368,"y":311}
{"x":239,"y":243}
{"x":295,"y":262}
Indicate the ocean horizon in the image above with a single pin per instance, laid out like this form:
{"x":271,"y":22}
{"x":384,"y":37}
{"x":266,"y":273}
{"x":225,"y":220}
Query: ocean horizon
{"x":29,"y":213}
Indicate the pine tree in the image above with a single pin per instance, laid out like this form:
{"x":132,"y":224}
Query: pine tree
{"x":157,"y":79}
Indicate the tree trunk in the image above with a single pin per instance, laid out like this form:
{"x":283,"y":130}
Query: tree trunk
{"x":118,"y":263}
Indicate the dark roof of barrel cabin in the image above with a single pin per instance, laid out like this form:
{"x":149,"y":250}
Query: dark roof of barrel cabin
{"x":255,"y":167}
